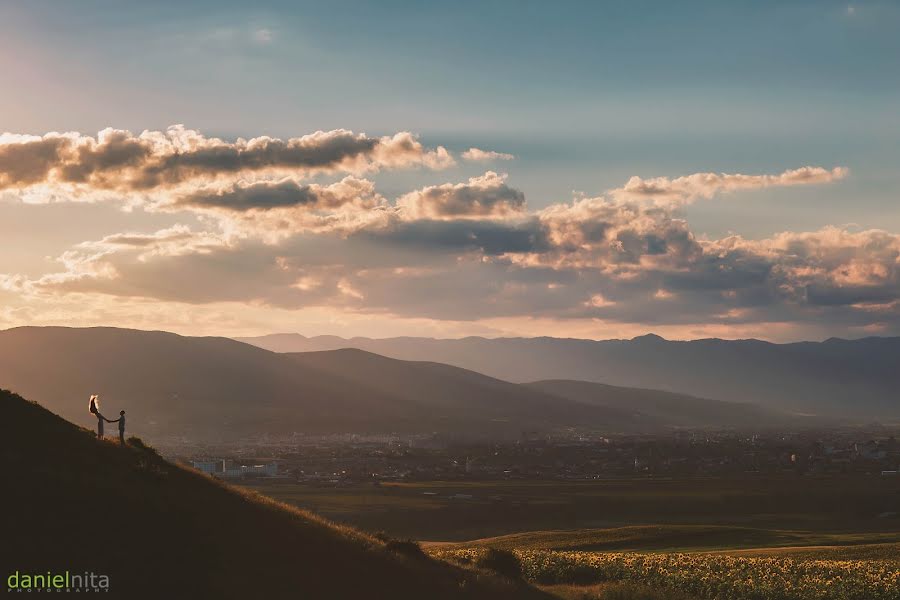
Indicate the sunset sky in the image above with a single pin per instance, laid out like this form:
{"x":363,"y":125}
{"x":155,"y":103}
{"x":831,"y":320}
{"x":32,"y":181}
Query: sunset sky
{"x":581,"y":169}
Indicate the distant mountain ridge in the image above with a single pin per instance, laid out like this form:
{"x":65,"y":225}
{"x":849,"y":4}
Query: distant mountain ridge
{"x":844,"y":378}
{"x":654,"y":405}
{"x":218,"y":387}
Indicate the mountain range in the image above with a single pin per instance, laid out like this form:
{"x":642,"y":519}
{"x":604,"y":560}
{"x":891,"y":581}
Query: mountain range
{"x":848,"y":379}
{"x":218,"y":387}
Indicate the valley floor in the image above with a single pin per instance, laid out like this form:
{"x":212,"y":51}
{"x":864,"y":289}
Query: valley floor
{"x":467,"y":510}
{"x":778,"y":538}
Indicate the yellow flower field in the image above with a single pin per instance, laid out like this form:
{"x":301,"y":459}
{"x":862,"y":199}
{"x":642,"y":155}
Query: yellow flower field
{"x":710,"y":576}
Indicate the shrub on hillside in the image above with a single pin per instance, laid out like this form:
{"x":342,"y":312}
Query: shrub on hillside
{"x":409,"y":548}
{"x":502,"y":562}
{"x":138,"y":443}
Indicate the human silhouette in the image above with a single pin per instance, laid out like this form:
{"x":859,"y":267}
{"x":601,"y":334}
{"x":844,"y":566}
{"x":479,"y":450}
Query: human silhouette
{"x":121,"y":422}
{"x":94,"y":408}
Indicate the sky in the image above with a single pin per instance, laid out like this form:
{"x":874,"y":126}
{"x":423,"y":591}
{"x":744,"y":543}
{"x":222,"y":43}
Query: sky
{"x":575,"y":169}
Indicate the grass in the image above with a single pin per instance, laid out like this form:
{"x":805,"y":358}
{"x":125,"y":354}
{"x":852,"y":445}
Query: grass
{"x":834,"y":504}
{"x":178,"y":533}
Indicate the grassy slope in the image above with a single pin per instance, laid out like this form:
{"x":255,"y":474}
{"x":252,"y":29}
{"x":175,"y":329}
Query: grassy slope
{"x":73,"y":503}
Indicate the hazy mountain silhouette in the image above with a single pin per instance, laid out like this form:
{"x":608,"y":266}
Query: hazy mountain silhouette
{"x":217,"y":387}
{"x":448,"y":388}
{"x":76,"y":504}
{"x":657,"y":406}
{"x":453,"y":394}
{"x":848,"y":378}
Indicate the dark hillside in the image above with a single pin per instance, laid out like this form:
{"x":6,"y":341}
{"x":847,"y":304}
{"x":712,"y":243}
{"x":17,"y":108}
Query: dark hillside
{"x":76,"y":504}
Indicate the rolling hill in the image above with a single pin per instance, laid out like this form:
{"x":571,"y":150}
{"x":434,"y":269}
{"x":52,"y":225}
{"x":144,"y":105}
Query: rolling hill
{"x":156,"y":530}
{"x":657,"y":406}
{"x":219,"y":388}
{"x":617,"y":407}
{"x":447,"y":391}
{"x":855,"y":379}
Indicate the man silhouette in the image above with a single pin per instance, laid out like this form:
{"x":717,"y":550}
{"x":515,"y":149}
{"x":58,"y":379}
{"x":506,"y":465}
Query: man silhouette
{"x":121,"y":422}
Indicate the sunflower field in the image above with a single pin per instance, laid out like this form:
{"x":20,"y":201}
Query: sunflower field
{"x":710,"y":576}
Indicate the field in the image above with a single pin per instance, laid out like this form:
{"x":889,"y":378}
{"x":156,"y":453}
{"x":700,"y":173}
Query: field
{"x":464,"y":511}
{"x":676,"y":562}
{"x":882,"y":552}
{"x":771,"y":538}
{"x":711,"y":576}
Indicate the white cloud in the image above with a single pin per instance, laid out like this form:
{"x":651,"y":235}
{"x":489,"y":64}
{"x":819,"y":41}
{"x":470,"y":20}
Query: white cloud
{"x":476,"y":154}
{"x":481,"y":197}
{"x":71,"y":165}
{"x":683,"y":190}
{"x":263,"y":35}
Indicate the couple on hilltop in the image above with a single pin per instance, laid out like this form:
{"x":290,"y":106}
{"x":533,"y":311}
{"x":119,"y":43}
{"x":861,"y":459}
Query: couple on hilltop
{"x":95,"y":410}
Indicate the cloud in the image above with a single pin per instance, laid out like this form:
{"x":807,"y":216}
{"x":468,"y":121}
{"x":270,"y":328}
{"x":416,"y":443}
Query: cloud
{"x":484,"y":196}
{"x":263,"y":35}
{"x":273,"y":210}
{"x":488,"y":237}
{"x":121,"y":161}
{"x":93,"y":263}
{"x":829,"y":267}
{"x":476,"y":154}
{"x":683,"y":190}
{"x":279,"y":194}
{"x":172,"y":241}
{"x":472,"y":251}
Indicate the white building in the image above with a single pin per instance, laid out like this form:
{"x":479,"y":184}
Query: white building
{"x":210,"y":467}
{"x":239,"y":471}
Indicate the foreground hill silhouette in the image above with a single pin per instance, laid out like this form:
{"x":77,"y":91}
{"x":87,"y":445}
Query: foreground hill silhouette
{"x":842,"y":378}
{"x":219,"y":387}
{"x":76,"y":504}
